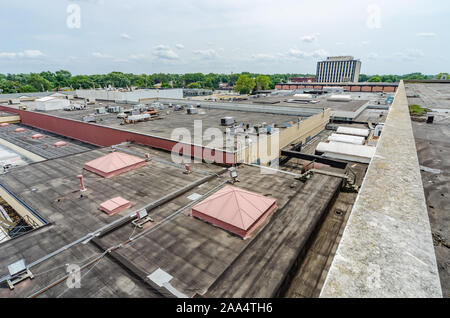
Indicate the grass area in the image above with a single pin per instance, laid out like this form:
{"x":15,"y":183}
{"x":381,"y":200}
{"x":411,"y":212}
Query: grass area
{"x":417,"y":110}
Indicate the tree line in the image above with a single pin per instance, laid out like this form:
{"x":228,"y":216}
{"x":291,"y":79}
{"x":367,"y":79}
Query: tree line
{"x":244,"y":82}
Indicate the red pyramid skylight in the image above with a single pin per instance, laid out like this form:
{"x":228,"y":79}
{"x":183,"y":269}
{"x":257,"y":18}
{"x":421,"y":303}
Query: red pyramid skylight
{"x":114,"y":164}
{"x":235,"y":210}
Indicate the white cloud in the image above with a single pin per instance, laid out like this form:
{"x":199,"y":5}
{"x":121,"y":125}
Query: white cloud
{"x":426,"y":34}
{"x":138,"y":56}
{"x":410,"y":55}
{"x":365,"y":42}
{"x":208,"y":53}
{"x":298,"y":54}
{"x":179,"y":46}
{"x":101,"y":55}
{"x":125,"y":36}
{"x":164,"y":52}
{"x":309,"y":38}
{"x":25,"y":54}
{"x":263,"y":56}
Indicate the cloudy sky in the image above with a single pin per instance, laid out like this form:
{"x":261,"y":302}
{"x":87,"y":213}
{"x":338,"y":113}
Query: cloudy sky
{"x":265,"y":36}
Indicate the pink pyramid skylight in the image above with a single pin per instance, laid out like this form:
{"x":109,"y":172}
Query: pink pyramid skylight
{"x":114,"y":164}
{"x":235,"y":210}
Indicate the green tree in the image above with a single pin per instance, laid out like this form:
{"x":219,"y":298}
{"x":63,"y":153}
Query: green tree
{"x":442,"y":75}
{"x":39,"y":83}
{"x":193,"y":85}
{"x":262,"y":82}
{"x":375,"y":78}
{"x":363,"y":78}
{"x":63,"y":78}
{"x":245,"y":84}
{"x":81,"y":81}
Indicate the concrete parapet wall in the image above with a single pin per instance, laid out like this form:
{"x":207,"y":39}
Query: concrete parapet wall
{"x":387,"y":249}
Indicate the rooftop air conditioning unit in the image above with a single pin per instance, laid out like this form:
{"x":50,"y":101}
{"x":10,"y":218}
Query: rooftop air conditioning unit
{"x":227,"y":121}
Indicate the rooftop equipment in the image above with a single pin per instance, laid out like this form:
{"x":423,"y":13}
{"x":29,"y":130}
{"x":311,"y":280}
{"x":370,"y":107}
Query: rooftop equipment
{"x":18,"y":272}
{"x":192,"y":111}
{"x":303,"y":96}
{"x":37,"y":136}
{"x":357,"y":140}
{"x":353,"y":131}
{"x":378,"y":129}
{"x":142,"y":218}
{"x":340,"y":98}
{"x":227,"y":121}
{"x":345,"y":151}
{"x":89,"y":119}
{"x":100,"y":110}
{"x":235,"y":210}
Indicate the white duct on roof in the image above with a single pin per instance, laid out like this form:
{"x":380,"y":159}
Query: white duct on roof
{"x":353,"y":131}
{"x":357,"y":140}
{"x":303,"y":96}
{"x":344,"y":151}
{"x":340,"y":98}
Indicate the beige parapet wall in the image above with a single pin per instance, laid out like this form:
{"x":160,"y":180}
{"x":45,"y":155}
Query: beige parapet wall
{"x":387,"y":248}
{"x":10,"y":119}
{"x":31,"y":220}
{"x":299,"y":131}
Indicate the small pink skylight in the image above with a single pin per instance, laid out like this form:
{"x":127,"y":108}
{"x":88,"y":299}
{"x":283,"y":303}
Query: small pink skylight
{"x":115,"y":205}
{"x":19,"y":130}
{"x":37,"y":136}
{"x":60,"y":144}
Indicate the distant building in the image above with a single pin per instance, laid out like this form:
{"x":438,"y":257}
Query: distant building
{"x":338,"y":69}
{"x":302,"y":79}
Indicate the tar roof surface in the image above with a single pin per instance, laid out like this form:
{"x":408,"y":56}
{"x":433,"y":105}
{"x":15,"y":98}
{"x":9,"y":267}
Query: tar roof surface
{"x":195,"y":253}
{"x":38,"y":146}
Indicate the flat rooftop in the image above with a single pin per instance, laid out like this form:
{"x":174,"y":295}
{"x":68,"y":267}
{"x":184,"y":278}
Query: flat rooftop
{"x":198,"y":255}
{"x":433,"y":151}
{"x":166,"y":123}
{"x":43,"y":147}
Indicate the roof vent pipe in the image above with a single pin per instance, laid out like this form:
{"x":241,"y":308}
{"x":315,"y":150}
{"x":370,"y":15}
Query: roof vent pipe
{"x":147,"y":156}
{"x":188,"y":169}
{"x":83,"y":188}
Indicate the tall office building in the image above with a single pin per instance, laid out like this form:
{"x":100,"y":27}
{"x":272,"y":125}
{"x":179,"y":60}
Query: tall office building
{"x":338,"y":69}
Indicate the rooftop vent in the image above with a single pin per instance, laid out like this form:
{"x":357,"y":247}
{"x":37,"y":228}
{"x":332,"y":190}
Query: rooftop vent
{"x":235,"y":210}
{"x":59,"y":144}
{"x":37,"y":136}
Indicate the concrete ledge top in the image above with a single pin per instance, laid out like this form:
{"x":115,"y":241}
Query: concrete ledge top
{"x":387,"y":249}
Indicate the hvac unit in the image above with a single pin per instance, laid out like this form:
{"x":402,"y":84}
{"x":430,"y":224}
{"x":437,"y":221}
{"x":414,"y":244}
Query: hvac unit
{"x":100,"y":110}
{"x":192,"y":111}
{"x":227,"y":121}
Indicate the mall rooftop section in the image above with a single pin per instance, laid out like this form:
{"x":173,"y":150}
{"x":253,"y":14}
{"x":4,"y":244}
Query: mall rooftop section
{"x":387,"y":249}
